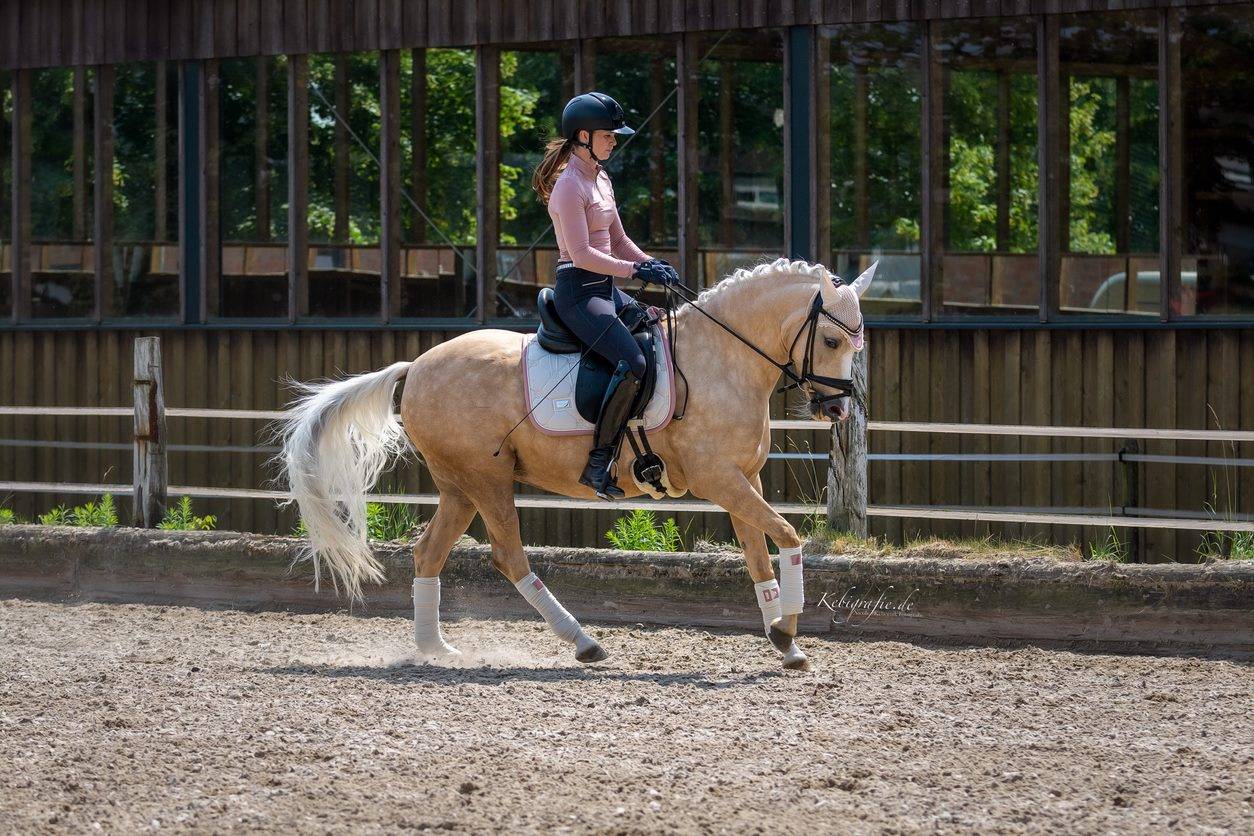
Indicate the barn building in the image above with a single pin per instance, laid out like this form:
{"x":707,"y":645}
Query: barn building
{"x":1059,"y":193}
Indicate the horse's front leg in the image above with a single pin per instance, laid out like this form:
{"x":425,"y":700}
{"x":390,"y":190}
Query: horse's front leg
{"x":752,"y":518}
{"x":766,"y":587}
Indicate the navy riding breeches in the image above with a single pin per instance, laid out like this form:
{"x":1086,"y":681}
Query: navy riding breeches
{"x":588,"y":304}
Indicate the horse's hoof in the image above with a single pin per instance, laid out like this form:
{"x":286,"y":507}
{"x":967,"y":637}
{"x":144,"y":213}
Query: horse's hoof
{"x":441,"y":653}
{"x":779,"y":638}
{"x":592,"y":653}
{"x":795,"y":660}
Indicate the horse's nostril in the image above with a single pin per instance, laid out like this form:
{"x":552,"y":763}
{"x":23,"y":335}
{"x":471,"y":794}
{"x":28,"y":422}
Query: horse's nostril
{"x":836,"y":410}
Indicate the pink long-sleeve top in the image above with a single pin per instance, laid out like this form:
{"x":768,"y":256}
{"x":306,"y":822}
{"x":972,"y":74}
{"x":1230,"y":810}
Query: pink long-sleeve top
{"x":585,"y":218}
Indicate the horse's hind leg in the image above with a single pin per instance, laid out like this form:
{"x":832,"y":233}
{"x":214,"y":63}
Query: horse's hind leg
{"x":452,"y":516}
{"x":501,"y":518}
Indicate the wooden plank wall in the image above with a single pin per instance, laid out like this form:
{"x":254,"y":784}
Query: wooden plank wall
{"x":1156,"y":378}
{"x":40,"y":33}
{"x":1161,"y":378}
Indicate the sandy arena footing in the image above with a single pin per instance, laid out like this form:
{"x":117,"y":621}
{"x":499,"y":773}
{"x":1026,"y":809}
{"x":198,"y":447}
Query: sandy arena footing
{"x":134,"y":717}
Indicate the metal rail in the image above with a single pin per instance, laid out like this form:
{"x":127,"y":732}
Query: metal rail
{"x":1211,"y":461}
{"x":781,"y":424}
{"x":693,"y":506}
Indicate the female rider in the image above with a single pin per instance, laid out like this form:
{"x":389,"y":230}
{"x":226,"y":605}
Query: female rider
{"x":593,"y":249}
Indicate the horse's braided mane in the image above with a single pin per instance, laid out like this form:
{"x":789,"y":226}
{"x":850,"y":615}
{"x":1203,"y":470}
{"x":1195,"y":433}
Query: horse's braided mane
{"x":767,"y":270}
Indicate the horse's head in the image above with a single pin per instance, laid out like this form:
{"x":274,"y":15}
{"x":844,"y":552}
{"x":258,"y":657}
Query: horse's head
{"x":826,"y":358}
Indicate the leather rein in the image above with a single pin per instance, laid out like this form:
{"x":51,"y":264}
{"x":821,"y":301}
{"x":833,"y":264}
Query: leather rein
{"x":797,"y":380}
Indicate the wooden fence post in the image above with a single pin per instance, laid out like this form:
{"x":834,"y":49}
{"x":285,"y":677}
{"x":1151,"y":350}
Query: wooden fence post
{"x":150,"y":462}
{"x":1130,"y":497}
{"x":846,"y":479}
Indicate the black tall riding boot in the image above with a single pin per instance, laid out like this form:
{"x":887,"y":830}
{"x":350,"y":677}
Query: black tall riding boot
{"x":620,"y":397}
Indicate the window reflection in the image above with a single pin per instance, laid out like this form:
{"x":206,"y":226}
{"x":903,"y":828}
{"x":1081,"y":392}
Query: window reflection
{"x":1109,"y":163}
{"x":343,"y":218}
{"x":6,"y":195}
{"x":876,"y":163}
{"x":535,"y":86}
{"x":740,"y":147}
{"x":253,"y":171}
{"x":639,"y":73}
{"x":438,"y":174}
{"x":990,"y":179}
{"x":62,"y":262}
{"x":640,"y":76}
{"x":1217,"y":265}
{"x":144,"y":274}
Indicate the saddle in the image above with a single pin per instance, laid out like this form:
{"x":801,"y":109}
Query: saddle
{"x":654,"y":404}
{"x":594,"y":370}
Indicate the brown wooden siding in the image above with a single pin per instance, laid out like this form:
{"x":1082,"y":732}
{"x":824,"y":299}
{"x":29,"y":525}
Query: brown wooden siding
{"x":41,"y":33}
{"x":1190,"y":379}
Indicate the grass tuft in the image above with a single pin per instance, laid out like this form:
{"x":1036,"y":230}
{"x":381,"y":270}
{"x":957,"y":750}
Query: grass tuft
{"x":181,"y":518}
{"x":385,"y":522}
{"x":1110,"y":550}
{"x":88,"y":515}
{"x":639,"y":532}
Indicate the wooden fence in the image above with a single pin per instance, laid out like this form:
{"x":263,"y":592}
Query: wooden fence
{"x":847,"y":505}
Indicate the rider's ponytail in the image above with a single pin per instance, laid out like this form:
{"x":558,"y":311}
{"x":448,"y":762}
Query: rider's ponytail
{"x":556,"y":153}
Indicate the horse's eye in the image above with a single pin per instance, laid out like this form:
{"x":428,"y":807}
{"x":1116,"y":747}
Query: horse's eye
{"x":831,"y":342}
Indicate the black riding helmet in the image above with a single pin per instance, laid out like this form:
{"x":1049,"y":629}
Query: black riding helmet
{"x":592,"y":112}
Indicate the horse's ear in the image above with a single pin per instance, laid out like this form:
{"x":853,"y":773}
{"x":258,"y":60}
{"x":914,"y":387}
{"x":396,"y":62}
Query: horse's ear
{"x":827,"y":289}
{"x":861,"y":283}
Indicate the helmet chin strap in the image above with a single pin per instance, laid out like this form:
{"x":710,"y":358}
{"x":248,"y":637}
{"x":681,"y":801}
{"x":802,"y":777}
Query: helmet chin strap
{"x":591,"y":153}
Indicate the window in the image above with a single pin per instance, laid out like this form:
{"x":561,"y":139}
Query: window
{"x":142,"y":278}
{"x":6,"y":194}
{"x":640,"y":74}
{"x":344,"y":255}
{"x":62,"y":262}
{"x":740,"y":124}
{"x":1109,"y":169}
{"x":989,"y":177}
{"x":438,"y":174}
{"x":876,"y":159}
{"x":1217,"y":263}
{"x":252,"y":166}
{"x":535,"y":86}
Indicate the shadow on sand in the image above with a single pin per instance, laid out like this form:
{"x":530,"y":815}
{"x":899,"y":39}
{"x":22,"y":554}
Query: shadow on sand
{"x":503,"y":675}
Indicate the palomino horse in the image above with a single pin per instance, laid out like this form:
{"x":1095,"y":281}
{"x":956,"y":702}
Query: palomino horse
{"x":463,"y":396}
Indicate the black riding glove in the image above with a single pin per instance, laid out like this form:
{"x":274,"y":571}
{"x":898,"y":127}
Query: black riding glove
{"x":655,"y":272}
{"x":670,"y":271}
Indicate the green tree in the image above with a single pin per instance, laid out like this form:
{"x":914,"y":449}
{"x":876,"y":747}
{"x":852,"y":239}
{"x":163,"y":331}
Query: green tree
{"x":757,"y":143}
{"x":450,"y":135}
{"x":893,"y":154}
{"x":627,"y":76}
{"x":971,"y":116}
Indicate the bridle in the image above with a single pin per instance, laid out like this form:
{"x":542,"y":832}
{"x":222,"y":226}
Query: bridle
{"x":804,"y":379}
{"x":842,"y":385}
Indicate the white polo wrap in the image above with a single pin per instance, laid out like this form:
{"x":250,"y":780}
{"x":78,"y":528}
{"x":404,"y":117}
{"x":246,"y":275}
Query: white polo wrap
{"x":560,"y":621}
{"x":768,"y":601}
{"x":792,"y":591}
{"x":427,"y":633}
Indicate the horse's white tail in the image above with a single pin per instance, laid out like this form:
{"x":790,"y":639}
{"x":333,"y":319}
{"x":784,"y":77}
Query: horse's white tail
{"x":338,"y":437}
